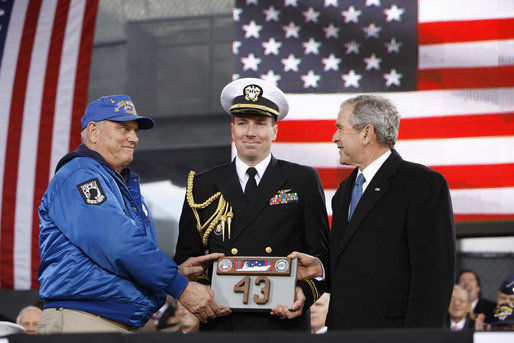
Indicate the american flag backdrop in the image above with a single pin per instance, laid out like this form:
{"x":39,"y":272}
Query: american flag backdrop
{"x":448,"y":65}
{"x":45,"y":54}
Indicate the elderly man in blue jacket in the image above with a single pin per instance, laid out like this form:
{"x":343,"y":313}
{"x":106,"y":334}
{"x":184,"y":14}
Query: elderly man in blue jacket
{"x":101,"y":269}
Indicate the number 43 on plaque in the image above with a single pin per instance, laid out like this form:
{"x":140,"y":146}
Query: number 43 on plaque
{"x":254,"y":283}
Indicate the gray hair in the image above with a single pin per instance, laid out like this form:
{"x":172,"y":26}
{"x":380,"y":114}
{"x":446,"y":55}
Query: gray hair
{"x":378,"y":112}
{"x":25,"y":310}
{"x":83,"y":134}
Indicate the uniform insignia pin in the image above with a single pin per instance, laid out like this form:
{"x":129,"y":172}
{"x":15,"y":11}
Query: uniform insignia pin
{"x":377,"y":189}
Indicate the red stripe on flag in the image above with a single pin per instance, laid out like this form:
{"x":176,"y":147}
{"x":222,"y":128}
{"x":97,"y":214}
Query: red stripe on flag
{"x":46,"y":125}
{"x":465,"y":31}
{"x":82,"y":73}
{"x":483,"y":217}
{"x":478,"y":176}
{"x":458,"y":177}
{"x":482,"y":125}
{"x":332,"y":177}
{"x":486,"y":125}
{"x":486,"y":77}
{"x":13,"y":144}
{"x":295,"y":131}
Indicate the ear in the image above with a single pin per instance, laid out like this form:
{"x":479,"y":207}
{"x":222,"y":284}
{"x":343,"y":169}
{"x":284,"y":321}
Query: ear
{"x":275,"y":131}
{"x":92,"y":132}
{"x":367,"y":134}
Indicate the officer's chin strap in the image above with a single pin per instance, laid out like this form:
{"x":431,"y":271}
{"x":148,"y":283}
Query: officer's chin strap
{"x":222,"y":215}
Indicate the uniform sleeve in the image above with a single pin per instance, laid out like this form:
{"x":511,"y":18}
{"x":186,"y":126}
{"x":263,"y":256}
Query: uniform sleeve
{"x":431,"y":240}
{"x":316,"y":233}
{"x":105,"y":233}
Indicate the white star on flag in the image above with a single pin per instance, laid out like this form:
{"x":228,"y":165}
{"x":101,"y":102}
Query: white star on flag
{"x":271,"y":14}
{"x":331,"y":31}
{"x":236,"y":12}
{"x":351,"y":79}
{"x":331,"y":3}
{"x":271,"y":77}
{"x":271,"y":46}
{"x":352,"y":46}
{"x":311,"y":15}
{"x":291,"y":30}
{"x":351,"y":15}
{"x":250,"y":62}
{"x":372,"y":62}
{"x":372,"y":30}
{"x":291,"y":63}
{"x":311,"y":47}
{"x":393,"y":13}
{"x":252,"y":2}
{"x":252,"y":30}
{"x":293,"y":3}
{"x":310,"y":80}
{"x":235,"y":47}
{"x":393,"y":78}
{"x":372,"y":2}
{"x":331,"y":63}
{"x":393,"y":46}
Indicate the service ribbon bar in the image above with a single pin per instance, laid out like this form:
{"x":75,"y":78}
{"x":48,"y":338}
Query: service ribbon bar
{"x":278,"y":266}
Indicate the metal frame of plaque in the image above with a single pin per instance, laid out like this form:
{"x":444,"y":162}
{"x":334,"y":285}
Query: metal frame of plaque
{"x":250,"y":283}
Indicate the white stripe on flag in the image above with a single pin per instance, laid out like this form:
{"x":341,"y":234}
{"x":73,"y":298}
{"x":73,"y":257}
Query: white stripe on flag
{"x":410,"y":104}
{"x":29,"y":146}
{"x":467,"y":201}
{"x":7,"y":74}
{"x":454,"y":10}
{"x":456,"y":55}
{"x":430,"y":152}
{"x":66,"y":84}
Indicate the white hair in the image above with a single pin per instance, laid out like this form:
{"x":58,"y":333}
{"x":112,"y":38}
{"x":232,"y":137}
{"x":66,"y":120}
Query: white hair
{"x":83,"y":134}
{"x":25,"y":310}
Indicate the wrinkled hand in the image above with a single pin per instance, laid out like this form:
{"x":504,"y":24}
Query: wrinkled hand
{"x":296,"y":309}
{"x":193,"y":267}
{"x":199,"y":300}
{"x":308,"y":266}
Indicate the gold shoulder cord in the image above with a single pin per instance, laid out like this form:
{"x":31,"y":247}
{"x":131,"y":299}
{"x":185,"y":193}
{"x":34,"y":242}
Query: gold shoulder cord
{"x":222,"y":214}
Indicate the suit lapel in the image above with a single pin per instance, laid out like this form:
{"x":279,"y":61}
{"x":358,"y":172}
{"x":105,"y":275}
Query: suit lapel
{"x":269,"y":184}
{"x":373,"y":193}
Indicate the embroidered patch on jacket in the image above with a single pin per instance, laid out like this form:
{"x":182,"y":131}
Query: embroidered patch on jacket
{"x":92,"y":192}
{"x":283,"y":198}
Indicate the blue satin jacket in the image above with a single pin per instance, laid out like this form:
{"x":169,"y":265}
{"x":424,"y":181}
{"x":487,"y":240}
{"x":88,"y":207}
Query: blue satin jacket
{"x":98,"y":243}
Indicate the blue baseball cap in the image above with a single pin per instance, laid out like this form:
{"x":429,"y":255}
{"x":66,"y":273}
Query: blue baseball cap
{"x":507,"y":287}
{"x":114,"y":108}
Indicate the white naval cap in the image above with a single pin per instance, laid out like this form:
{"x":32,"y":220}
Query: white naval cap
{"x":254,"y":96}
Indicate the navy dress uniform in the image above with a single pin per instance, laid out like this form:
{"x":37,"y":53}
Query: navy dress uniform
{"x":287,"y":212}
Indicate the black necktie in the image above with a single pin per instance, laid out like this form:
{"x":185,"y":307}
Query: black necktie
{"x":251,"y":185}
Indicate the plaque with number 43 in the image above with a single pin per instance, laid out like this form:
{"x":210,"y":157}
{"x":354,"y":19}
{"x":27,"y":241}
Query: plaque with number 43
{"x":254,"y":283}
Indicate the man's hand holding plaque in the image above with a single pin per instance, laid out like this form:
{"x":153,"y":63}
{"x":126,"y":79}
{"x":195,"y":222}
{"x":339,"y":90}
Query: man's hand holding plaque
{"x":296,"y":309}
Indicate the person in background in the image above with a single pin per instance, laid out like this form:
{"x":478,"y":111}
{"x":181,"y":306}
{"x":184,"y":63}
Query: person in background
{"x":319,"y":314}
{"x":470,"y":280}
{"x":101,"y":268}
{"x":505,"y":296}
{"x":29,"y":318}
{"x":506,"y":292}
{"x":459,"y":310}
{"x":503,"y":318}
